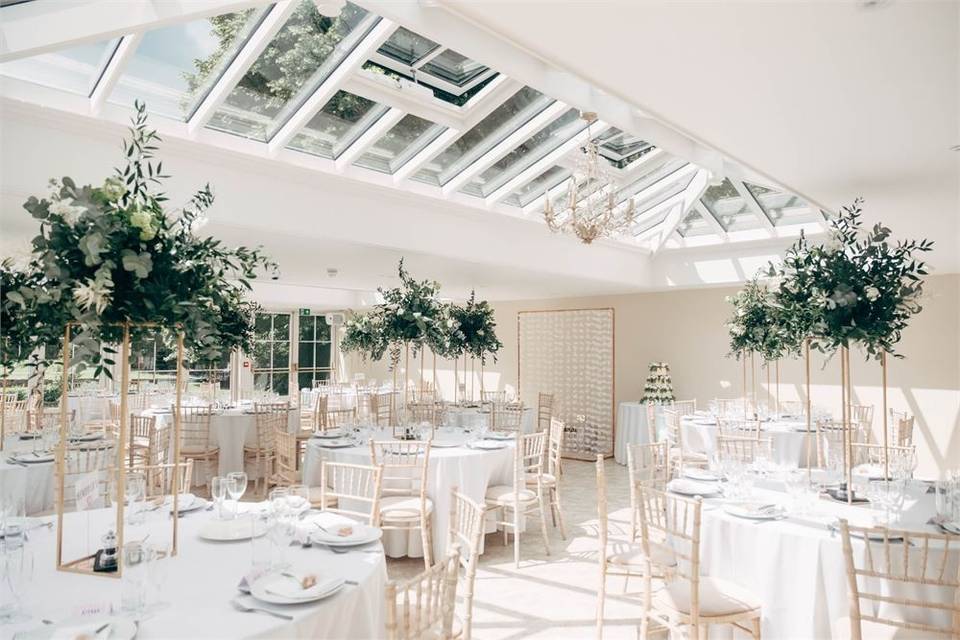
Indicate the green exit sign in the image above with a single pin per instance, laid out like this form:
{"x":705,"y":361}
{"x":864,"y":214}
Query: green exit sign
{"x":305,"y":312}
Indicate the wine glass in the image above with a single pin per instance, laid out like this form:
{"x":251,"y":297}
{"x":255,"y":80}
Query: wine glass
{"x":283,"y":528}
{"x":236,"y":487}
{"x":218,"y":490}
{"x":16,"y":572}
{"x":298,"y":497}
{"x":134,"y":489}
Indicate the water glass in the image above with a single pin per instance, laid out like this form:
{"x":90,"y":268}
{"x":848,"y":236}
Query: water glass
{"x":236,"y":487}
{"x":16,"y":573}
{"x":298,"y":497}
{"x":135,"y":580}
{"x":218,"y":490}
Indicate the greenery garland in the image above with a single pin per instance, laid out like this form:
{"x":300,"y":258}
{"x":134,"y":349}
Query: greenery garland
{"x":111,"y":254}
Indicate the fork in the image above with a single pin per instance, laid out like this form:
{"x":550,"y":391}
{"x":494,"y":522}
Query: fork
{"x":239,"y":606}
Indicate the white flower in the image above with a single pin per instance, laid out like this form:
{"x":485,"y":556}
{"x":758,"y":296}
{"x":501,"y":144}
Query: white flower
{"x":68,"y":212}
{"x":92,"y":294}
{"x":872,"y":293}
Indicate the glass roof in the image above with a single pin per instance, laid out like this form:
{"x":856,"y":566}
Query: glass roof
{"x":77,"y":69}
{"x":524,"y":105}
{"x":337,"y":125}
{"x":655,"y":174}
{"x":454,"y":68}
{"x":729,"y":207}
{"x":671,"y":189}
{"x":537,"y":187}
{"x":694,"y":225}
{"x":782,"y":208}
{"x":298,"y":59}
{"x":174,"y":68}
{"x":530,"y":151}
{"x":406,"y":46}
{"x":620,"y":148}
{"x":404,"y":140}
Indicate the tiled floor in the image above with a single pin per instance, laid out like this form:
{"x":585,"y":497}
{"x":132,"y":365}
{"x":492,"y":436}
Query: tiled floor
{"x":553,"y":596}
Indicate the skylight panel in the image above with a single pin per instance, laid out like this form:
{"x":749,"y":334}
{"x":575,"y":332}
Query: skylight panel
{"x":404,"y":140}
{"x":537,"y":187}
{"x":659,"y":196}
{"x":295,"y":63}
{"x":694,"y":225}
{"x":530,"y":151}
{"x":782,"y":208}
{"x":75,"y":69}
{"x":524,"y":105}
{"x":454,"y":96}
{"x":620,"y":148}
{"x":337,"y":125}
{"x":407,"y":47}
{"x":729,"y":207}
{"x":174,"y":67}
{"x":651,"y":177}
{"x":454,"y":68}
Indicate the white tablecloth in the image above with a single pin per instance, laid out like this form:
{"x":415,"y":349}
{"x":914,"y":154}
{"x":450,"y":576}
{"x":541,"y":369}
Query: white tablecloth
{"x":632,"y":427}
{"x":470,"y":470}
{"x":789,"y":439}
{"x":230,"y":430}
{"x":202,"y":579}
{"x":32,"y":483}
{"x":89,"y":408}
{"x":474,"y":417}
{"x":795,"y":566}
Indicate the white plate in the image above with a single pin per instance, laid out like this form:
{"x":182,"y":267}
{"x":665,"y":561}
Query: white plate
{"x":29,"y":458}
{"x":703,"y":475}
{"x":232,"y":530}
{"x":333,"y":434}
{"x":755,"y":511}
{"x":952,"y":528}
{"x":120,"y":629}
{"x":263,"y":589}
{"x":362,"y":534}
{"x":693,"y":488}
{"x":488,"y":445}
{"x":444,"y":444}
{"x":499,"y":436}
{"x":336,"y":444}
{"x":89,"y":437}
{"x":186,"y":502}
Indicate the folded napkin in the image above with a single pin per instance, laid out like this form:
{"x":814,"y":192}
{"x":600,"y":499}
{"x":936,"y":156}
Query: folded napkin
{"x":82,"y":631}
{"x":292,"y":585}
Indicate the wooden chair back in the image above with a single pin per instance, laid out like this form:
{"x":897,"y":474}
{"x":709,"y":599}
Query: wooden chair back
{"x":900,"y":426}
{"x":685,"y":407}
{"x":544,"y":410}
{"x":157,"y":439}
{"x":423,"y":606}
{"x":602,"y":525}
{"x":285,"y":454}
{"x":195,"y":434}
{"x":14,"y":415}
{"x":466,"y":530}
{"x":664,"y":516}
{"x":530,"y":448}
{"x":493,"y":396}
{"x":862,"y":415}
{"x":269,"y":416}
{"x":382,"y":408}
{"x":902,"y":579}
{"x":160,"y":477}
{"x":404,"y":464}
{"x":425,"y":411}
{"x":356,"y":489}
{"x":555,"y":447}
{"x":507,"y":417}
{"x":900,"y":458}
{"x":648,"y":464}
{"x":746,"y":449}
{"x":81,"y":461}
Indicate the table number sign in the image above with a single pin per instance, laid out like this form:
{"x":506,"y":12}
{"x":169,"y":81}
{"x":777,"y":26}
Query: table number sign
{"x":85,"y":491}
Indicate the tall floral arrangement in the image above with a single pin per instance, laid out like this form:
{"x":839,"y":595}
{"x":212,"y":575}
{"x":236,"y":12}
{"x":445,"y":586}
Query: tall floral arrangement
{"x":363,"y":334}
{"x":478,"y":329}
{"x":115,"y":253}
{"x":756,"y":324}
{"x":857,"y":288}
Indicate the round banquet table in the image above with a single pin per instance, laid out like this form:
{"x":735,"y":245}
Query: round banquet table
{"x":470,"y":470}
{"x":33,"y":481}
{"x":795,"y":565}
{"x":633,"y":428}
{"x":202,"y":579}
{"x":230,"y":429}
{"x":475,"y":417}
{"x":789,"y":438}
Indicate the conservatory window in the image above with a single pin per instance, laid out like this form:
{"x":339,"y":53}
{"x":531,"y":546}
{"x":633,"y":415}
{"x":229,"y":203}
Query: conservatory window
{"x":75,"y":69}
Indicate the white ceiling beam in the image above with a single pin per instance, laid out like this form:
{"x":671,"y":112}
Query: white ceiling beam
{"x":665,"y":183}
{"x":690,"y":196}
{"x":489,"y":98}
{"x":755,"y":207}
{"x":537,"y":203}
{"x":404,"y":96}
{"x":245,"y":57}
{"x":114,"y":69}
{"x":347,"y":67}
{"x":426,"y":154}
{"x":366,"y":140}
{"x":711,"y":219}
{"x":546,"y":162}
{"x":504,"y":147}
{"x":33,"y":28}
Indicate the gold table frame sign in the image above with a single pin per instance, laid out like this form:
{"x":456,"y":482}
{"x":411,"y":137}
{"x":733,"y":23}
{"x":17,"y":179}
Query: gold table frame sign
{"x":84,"y":565}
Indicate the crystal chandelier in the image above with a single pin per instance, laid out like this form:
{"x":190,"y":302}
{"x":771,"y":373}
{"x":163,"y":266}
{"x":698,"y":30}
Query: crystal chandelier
{"x":594,"y":214}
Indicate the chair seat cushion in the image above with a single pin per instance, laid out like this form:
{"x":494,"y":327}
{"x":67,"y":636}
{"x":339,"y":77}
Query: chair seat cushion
{"x":717,"y":597}
{"x":546,"y":479}
{"x":504,"y":494}
{"x":403,"y":507}
{"x":631,"y":556}
{"x":876,"y":631}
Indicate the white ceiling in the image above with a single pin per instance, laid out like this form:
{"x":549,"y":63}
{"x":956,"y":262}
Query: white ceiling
{"x":830,"y":99}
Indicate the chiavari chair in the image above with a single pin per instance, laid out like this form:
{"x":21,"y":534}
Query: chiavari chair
{"x":14,"y":415}
{"x":404,"y":505}
{"x":893,"y":563}
{"x":544,"y":410}
{"x":145,"y":441}
{"x":422,"y":607}
{"x":493,"y":396}
{"x":80,"y":462}
{"x":382,"y":408}
{"x":729,"y":406}
{"x":196,"y":440}
{"x":679,"y":454}
{"x":625,"y":559}
{"x":832,"y":439}
{"x":793,"y":408}
{"x":429,"y":411}
{"x":346,"y":488}
{"x":41,"y":418}
{"x":550,"y":478}
{"x":685,"y":407}
{"x":520,"y":498}
{"x":649,"y":465}
{"x":900,"y":428}
{"x":466,"y":530}
{"x":872,"y":457}
{"x":861,"y":415}
{"x":269,"y":417}
{"x":686,"y":599}
{"x":160,"y":477}
{"x":745,"y":449}
{"x":507,"y":417}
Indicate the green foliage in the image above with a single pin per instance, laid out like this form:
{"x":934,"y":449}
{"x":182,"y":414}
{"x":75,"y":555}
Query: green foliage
{"x":755,"y":325}
{"x":412,"y":315}
{"x":658,"y":387}
{"x":858,"y":288}
{"x":363,"y":334}
{"x":112,"y":254}
{"x":477,"y":329}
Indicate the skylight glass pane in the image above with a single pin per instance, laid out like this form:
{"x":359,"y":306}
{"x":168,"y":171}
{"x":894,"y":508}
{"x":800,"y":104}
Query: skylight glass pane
{"x":694,"y":225}
{"x":458,"y":99}
{"x":399,"y":144}
{"x":782,"y":208}
{"x":524,"y":105}
{"x":538,"y":186}
{"x":658,"y":195}
{"x":454,"y":68}
{"x":337,"y":125}
{"x":620,"y":148}
{"x":533,"y":149}
{"x":729,"y":207}
{"x":406,"y":46}
{"x":297,"y":61}
{"x":173,"y":68}
{"x":651,"y":221}
{"x":76,"y":69}
{"x":654,"y":175}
